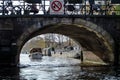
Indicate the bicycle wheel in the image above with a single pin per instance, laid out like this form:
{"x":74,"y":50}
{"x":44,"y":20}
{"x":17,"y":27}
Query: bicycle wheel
{"x":27,"y":10}
{"x":3,"y":11}
{"x":17,"y":10}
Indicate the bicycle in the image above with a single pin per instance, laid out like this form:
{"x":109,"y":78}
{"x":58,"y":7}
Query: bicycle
{"x":99,"y":9}
{"x":28,"y":8}
{"x":31,"y":8}
{"x":110,"y":9}
{"x":72,"y":9}
{"x":7,"y":8}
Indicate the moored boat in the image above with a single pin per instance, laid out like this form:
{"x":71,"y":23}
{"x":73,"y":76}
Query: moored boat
{"x":36,"y":53}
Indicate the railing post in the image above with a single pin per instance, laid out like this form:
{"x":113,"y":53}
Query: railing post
{"x":44,"y":8}
{"x":64,"y":7}
{"x":3,"y":8}
{"x":105,"y":7}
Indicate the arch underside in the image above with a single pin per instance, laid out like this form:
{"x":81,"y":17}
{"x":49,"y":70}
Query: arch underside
{"x":88,"y":39}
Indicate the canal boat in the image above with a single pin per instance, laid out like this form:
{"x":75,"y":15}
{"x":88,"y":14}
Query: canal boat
{"x":36,"y":53}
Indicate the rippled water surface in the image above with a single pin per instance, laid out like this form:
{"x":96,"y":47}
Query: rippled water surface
{"x":50,"y":68}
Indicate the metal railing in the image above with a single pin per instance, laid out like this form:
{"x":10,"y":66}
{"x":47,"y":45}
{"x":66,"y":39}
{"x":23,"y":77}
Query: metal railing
{"x":20,"y":7}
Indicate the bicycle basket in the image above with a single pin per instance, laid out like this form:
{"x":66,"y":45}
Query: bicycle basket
{"x":33,"y":1}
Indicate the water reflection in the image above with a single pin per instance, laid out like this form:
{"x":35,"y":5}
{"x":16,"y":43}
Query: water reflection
{"x":50,"y":68}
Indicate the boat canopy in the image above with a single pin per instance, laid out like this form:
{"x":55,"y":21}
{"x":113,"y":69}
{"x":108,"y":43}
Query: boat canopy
{"x":36,"y":50}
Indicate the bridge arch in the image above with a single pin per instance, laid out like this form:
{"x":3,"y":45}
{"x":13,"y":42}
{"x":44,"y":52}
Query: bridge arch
{"x":91,"y":36}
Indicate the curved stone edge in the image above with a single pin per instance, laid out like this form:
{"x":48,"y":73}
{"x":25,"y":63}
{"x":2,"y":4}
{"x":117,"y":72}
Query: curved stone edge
{"x":100,"y":32}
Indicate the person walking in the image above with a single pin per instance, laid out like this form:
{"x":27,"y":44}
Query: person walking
{"x":49,"y":51}
{"x":81,"y":57}
{"x":91,"y":2}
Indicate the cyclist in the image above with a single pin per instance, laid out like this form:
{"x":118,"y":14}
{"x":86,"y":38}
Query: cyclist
{"x":34,"y":8}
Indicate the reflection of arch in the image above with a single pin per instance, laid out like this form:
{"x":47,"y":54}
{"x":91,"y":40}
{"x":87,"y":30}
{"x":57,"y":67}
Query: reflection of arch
{"x":89,"y":35}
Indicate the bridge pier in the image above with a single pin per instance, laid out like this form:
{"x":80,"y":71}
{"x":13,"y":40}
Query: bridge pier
{"x":7,"y":60}
{"x":8,"y":55}
{"x":8,"y":47}
{"x":117,"y":55}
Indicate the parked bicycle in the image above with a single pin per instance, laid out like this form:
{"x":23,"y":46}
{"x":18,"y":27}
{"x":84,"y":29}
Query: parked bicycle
{"x":28,"y":8}
{"x":99,"y":9}
{"x":110,"y":9}
{"x":7,"y":8}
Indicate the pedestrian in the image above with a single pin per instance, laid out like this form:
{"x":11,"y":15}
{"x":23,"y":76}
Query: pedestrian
{"x":81,"y":56}
{"x":34,"y":8}
{"x":60,"y":53}
{"x":91,"y":2}
{"x":53,"y":50}
{"x":49,"y":51}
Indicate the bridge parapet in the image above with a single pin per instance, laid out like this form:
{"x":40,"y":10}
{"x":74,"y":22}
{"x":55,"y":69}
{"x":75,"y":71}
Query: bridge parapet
{"x":18,"y":8}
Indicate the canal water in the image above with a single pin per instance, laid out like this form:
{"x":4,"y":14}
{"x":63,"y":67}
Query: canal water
{"x":52,"y":68}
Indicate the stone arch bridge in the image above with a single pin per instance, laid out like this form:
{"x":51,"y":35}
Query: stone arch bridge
{"x":95,"y":33}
